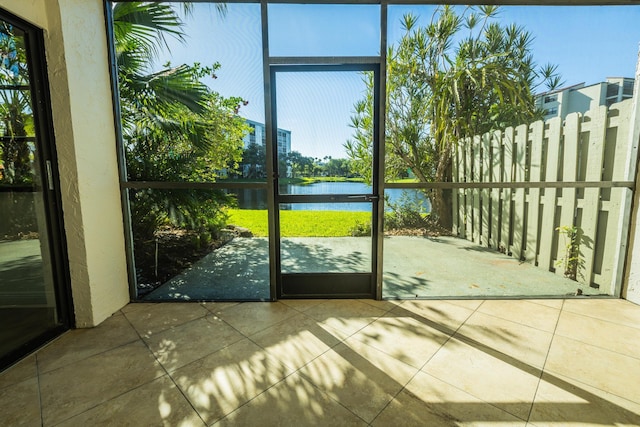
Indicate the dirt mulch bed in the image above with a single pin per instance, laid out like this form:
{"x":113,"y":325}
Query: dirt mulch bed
{"x":429,"y":230}
{"x":176,"y":250}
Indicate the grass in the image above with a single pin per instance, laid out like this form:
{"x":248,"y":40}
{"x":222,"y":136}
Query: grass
{"x":301,"y":223}
{"x":404,"y":181}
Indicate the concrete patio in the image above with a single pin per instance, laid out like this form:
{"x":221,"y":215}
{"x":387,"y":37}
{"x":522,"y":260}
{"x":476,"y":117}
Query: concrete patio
{"x":338,"y":363}
{"x":414,"y":267}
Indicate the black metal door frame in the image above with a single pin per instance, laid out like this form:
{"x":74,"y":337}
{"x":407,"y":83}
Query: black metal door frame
{"x":326,"y":285}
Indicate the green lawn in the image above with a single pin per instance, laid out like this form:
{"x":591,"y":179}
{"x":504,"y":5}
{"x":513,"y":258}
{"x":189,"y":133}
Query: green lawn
{"x":301,"y":223}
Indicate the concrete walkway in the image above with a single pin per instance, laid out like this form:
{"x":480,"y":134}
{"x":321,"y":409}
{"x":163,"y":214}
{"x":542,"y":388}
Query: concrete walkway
{"x":414,"y":267}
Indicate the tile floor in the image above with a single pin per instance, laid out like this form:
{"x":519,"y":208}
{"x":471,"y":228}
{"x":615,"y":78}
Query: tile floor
{"x":339,"y":362}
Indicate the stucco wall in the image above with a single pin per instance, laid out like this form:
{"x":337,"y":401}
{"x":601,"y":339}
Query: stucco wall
{"x":33,"y":11}
{"x":75,"y":40}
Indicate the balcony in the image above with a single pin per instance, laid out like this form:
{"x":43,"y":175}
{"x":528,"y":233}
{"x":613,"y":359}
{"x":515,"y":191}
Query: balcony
{"x":339,"y":362}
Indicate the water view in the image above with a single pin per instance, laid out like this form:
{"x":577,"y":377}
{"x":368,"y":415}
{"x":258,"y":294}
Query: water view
{"x":257,"y":199}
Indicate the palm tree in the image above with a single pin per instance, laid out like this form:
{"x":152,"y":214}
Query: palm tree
{"x":174,"y":127}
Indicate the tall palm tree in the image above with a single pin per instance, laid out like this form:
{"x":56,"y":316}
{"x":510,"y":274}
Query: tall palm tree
{"x":174,"y":127}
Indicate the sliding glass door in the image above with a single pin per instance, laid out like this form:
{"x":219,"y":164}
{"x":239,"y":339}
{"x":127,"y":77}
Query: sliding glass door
{"x":32,"y":305}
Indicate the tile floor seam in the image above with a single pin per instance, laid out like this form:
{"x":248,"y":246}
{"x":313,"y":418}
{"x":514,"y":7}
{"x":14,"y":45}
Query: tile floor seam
{"x":521,"y":323}
{"x":208,"y":313}
{"x":294,"y":370}
{"x":449,"y":336}
{"x":105,"y":401}
{"x":276,"y":384}
{"x":114,"y":397}
{"x":590,"y":344}
{"x":332,"y":398}
{"x":384,"y":300}
{"x":238,"y":407}
{"x":613,"y":324}
{"x":544,"y":364}
{"x":260,"y":330}
{"x":578,"y":381}
{"x":91,"y":355}
{"x":474,"y":343}
{"x":604,"y":320}
{"x":310,"y":380}
{"x":575,"y":382}
{"x":203,"y":304}
{"x":399,"y":391}
{"x":477,"y":397}
{"x":186,"y":398}
{"x":420,"y":369}
{"x":195,"y":360}
{"x":166,"y":372}
{"x":39,"y":389}
{"x":599,"y":347}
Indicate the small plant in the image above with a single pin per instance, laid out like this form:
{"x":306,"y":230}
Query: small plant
{"x":408,"y":212}
{"x":360,"y":229}
{"x":571,"y":258}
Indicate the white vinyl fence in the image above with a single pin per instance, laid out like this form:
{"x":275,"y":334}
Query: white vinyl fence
{"x":526,"y":183}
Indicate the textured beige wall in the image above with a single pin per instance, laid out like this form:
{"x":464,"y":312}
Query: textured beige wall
{"x":33,"y":11}
{"x":76,"y":45}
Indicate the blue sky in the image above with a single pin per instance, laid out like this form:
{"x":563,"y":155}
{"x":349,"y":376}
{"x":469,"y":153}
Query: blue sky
{"x":587,"y":43}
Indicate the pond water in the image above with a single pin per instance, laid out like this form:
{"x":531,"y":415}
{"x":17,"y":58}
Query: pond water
{"x":257,"y":199}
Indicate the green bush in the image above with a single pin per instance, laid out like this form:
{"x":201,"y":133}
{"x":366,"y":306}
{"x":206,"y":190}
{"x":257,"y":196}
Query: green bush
{"x":407,"y":212}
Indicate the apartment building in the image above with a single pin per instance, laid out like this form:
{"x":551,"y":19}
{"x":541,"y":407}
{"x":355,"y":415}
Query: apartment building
{"x":580,"y":98}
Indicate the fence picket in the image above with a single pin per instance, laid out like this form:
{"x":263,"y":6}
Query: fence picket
{"x":569,"y":173}
{"x":476,"y":191}
{"x":591,"y":200}
{"x":496,"y":173}
{"x":619,"y":196}
{"x":507,"y":146}
{"x":468,"y":192}
{"x":549,"y":201}
{"x":535,"y":170}
{"x":518,"y":204}
{"x":485,"y":177}
{"x":455,"y":167}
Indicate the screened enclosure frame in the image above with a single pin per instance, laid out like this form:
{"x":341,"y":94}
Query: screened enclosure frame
{"x":269,"y":63}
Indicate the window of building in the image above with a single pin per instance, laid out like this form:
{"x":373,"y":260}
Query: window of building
{"x":627,"y":88}
{"x":612,"y":90}
{"x":550,"y":98}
